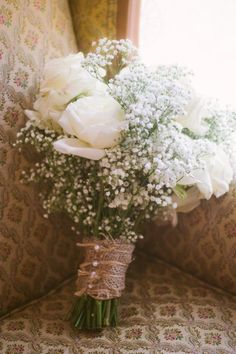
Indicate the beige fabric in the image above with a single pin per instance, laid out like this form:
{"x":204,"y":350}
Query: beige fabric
{"x":204,"y":242}
{"x":163,"y":311}
{"x":34,"y":254}
{"x":93,"y":19}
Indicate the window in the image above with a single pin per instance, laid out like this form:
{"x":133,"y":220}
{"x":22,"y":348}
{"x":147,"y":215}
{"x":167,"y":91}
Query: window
{"x":200,"y":34}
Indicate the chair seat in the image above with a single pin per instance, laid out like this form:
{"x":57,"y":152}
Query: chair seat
{"x":163,"y":310}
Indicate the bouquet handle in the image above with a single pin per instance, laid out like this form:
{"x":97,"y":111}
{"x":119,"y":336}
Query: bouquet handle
{"x":101,"y":280}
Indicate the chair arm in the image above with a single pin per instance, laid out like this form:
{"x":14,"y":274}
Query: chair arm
{"x":203,"y":243}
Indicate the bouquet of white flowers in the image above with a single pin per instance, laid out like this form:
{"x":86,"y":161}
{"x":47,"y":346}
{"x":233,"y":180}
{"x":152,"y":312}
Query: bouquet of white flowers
{"x":120,"y":143}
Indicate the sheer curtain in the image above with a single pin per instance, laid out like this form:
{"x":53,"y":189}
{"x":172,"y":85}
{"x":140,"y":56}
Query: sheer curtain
{"x":200,"y":34}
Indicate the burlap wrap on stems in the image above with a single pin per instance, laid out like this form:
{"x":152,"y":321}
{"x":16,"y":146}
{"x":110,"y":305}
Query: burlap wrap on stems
{"x":102,"y":273}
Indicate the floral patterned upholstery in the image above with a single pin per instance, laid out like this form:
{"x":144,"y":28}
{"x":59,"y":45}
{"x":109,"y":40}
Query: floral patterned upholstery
{"x":163,"y":311}
{"x":35,"y":254}
{"x":203,"y":243}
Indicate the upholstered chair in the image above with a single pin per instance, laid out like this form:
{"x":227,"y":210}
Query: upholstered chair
{"x":180,"y":291}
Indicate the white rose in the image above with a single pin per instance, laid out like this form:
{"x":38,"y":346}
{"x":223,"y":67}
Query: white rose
{"x":96,"y":121}
{"x":214,"y":178}
{"x":68,"y":78}
{"x":64,"y":80}
{"x":58,"y":72}
{"x":196,"y":111}
{"x":47,"y":111}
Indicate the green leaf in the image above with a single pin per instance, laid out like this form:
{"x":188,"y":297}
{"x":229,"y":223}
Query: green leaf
{"x":180,"y":191}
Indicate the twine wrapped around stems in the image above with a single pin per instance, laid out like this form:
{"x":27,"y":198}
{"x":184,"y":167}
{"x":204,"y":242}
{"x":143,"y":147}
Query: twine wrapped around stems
{"x":102,"y":273}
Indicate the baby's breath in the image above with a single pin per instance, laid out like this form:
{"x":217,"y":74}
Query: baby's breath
{"x":137,"y":178}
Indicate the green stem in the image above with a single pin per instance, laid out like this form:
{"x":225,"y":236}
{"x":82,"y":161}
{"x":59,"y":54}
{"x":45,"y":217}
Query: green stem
{"x":106,"y":321}
{"x":113,"y":316}
{"x":78,"y":306}
{"x":94,"y":317}
{"x":138,"y":220}
{"x":104,"y":307}
{"x":79,"y":320}
{"x":99,"y":211}
{"x":89,"y":313}
{"x":99,"y":313}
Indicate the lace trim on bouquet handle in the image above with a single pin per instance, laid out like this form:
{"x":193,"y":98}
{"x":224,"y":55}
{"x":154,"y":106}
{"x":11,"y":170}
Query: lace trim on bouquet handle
{"x":102,"y":273}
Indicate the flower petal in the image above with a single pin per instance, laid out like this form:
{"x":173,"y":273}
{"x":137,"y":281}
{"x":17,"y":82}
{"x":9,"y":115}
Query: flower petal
{"x":72,"y":146}
{"x":201,"y":179}
{"x":32,"y":115}
{"x":190,"y":202}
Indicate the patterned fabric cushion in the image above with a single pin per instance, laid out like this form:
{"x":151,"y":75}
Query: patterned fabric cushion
{"x":203,"y":244}
{"x":35,"y":254}
{"x":92,"y":20}
{"x":163,"y":311}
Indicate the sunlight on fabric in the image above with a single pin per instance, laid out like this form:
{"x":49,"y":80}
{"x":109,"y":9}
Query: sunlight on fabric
{"x":200,"y":34}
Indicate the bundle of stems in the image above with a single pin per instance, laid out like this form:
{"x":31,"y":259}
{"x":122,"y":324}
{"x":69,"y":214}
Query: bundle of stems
{"x":90,"y":313}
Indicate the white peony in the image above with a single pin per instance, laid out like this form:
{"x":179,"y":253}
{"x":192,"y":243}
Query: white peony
{"x":214,"y":178}
{"x":96,"y":121}
{"x":196,"y":111}
{"x":64,"y":79}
